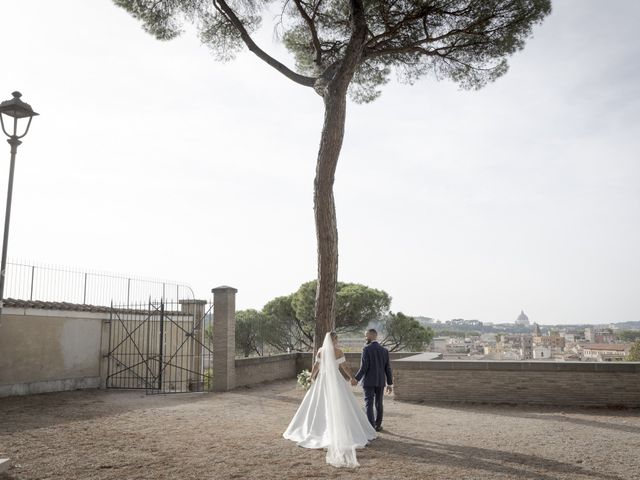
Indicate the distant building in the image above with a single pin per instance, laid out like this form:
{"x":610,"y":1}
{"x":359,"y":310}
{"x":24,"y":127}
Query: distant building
{"x":510,"y":356}
{"x":536,"y":330}
{"x":488,"y":338}
{"x":606,"y":352}
{"x":440,"y":344}
{"x":519,"y":344}
{"x":588,"y":334}
{"x":522,"y":319}
{"x":593,"y":335}
{"x":541,"y":352}
{"x":554,"y":342}
{"x":457,"y":348}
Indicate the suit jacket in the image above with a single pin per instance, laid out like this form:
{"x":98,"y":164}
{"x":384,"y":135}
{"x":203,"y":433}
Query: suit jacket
{"x":374,"y":366}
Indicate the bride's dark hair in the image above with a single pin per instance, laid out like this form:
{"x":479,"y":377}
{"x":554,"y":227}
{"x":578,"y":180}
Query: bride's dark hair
{"x":334,"y":335}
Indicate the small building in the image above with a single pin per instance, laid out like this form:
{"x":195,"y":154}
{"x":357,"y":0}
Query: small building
{"x":555,"y":342}
{"x":440,"y":344}
{"x":541,"y":352}
{"x":602,"y":335}
{"x":606,"y":352}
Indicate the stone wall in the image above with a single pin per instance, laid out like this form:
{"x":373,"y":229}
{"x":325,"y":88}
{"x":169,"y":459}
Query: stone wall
{"x":254,"y":370}
{"x":50,"y":350}
{"x":353,"y":360}
{"x":540,"y":383}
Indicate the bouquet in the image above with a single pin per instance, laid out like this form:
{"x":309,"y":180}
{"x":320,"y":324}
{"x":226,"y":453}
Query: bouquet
{"x":304,"y":379}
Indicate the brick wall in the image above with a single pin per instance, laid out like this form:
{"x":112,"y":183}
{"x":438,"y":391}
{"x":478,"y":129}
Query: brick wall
{"x":353,"y":360}
{"x":542,"y":383}
{"x":254,"y":370}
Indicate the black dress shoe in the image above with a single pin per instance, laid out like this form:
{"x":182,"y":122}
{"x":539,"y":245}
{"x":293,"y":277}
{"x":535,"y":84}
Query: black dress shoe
{"x":378,"y":429}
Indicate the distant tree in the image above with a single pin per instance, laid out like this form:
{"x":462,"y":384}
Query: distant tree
{"x":284,"y":330}
{"x":628,"y":335}
{"x":356,"y":305}
{"x":456,"y":333}
{"x":291,"y":320}
{"x":634,"y":353}
{"x":353,"y":46}
{"x":249,"y":328}
{"x":402,"y":332}
{"x":208,"y":335}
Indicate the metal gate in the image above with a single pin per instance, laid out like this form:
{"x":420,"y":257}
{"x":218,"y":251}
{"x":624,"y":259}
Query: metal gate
{"x":161,"y":347}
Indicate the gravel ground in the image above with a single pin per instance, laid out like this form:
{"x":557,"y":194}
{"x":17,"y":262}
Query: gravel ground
{"x":127,"y":435}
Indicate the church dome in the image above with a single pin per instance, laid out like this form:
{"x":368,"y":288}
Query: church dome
{"x":522,"y":317}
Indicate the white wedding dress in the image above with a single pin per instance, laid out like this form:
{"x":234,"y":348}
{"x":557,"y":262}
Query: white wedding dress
{"x":330,"y":416}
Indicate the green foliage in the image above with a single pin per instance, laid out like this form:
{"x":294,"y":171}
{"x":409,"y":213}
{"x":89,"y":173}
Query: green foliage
{"x":466,"y":41}
{"x":291,"y":319}
{"x":402,"y":332}
{"x":356,"y":305}
{"x":634,"y":353}
{"x":355,"y":46}
{"x":456,"y":333}
{"x":283,"y":330}
{"x":628,"y":335}
{"x":208,"y":379}
{"x":208,"y":335}
{"x":249,"y":332}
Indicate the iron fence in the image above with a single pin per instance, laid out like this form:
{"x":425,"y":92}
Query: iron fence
{"x":161,"y":347}
{"x":28,"y":281}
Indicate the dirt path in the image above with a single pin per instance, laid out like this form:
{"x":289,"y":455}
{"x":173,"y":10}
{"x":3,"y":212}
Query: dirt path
{"x":127,"y":435}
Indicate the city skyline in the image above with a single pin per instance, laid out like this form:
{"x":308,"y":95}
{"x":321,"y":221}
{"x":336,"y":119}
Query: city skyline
{"x":153,"y":159}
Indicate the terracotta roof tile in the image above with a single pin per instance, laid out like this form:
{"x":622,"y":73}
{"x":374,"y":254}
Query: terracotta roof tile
{"x":12,"y":302}
{"x":170,"y":307}
{"x":618,"y":347}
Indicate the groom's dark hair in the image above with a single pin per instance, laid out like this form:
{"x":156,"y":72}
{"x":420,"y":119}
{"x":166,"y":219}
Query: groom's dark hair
{"x":372,"y":331}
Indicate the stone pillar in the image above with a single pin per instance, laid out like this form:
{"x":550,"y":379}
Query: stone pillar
{"x":195,"y":308}
{"x":224,"y":338}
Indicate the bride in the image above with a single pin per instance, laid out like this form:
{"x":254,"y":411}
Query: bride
{"x":329,"y":415}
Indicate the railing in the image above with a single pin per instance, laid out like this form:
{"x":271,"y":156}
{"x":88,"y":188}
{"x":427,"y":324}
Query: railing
{"x":25,"y":281}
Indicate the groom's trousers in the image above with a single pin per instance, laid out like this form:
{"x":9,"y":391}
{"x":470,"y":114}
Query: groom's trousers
{"x":373,"y":396}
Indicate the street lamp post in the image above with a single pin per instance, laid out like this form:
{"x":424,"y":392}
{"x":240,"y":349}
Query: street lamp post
{"x":18,"y":112}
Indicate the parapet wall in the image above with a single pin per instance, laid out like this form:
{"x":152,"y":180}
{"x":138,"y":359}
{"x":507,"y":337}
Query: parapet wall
{"x":50,"y":350}
{"x":540,"y":383}
{"x":254,"y":370}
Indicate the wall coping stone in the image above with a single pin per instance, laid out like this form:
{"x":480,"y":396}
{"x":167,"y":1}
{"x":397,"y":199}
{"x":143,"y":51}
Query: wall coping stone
{"x":243,"y":362}
{"x":224,"y":289}
{"x":522,"y":366}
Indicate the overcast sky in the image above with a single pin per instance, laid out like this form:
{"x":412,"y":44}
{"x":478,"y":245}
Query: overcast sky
{"x":152,"y":159}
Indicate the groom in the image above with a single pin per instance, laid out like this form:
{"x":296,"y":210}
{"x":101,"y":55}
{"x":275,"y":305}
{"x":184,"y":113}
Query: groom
{"x":375,"y":369}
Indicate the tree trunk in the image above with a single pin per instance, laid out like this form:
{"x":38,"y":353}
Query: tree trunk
{"x":333,"y":87}
{"x":335,"y":103}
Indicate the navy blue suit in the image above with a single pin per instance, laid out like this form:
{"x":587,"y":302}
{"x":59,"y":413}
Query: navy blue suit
{"x":375,"y":373}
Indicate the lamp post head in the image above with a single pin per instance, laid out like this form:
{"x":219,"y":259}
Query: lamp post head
{"x":16,"y":109}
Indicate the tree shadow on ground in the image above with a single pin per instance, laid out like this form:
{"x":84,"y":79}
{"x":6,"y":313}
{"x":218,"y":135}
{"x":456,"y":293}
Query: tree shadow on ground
{"x":516,"y":465}
{"x":558,"y":414}
{"x":277,"y":394}
{"x":44,"y":410}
